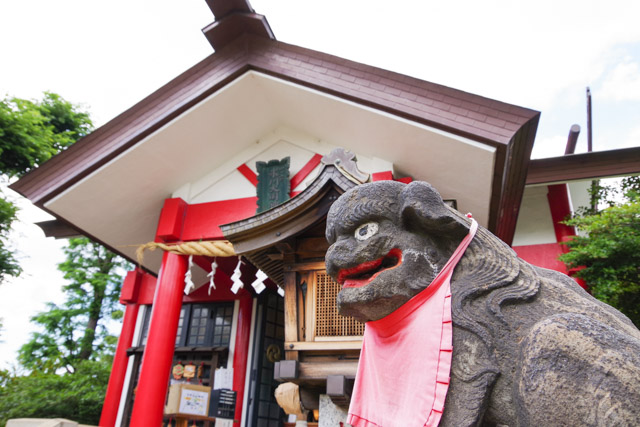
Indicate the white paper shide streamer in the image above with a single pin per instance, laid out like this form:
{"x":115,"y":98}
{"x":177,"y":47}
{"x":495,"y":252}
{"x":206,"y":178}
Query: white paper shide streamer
{"x":214,"y":267}
{"x":258,"y":284}
{"x":188,"y":282}
{"x":235,"y":278}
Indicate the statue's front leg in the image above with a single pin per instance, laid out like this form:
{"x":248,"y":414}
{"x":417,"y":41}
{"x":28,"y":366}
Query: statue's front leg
{"x":472,"y":379}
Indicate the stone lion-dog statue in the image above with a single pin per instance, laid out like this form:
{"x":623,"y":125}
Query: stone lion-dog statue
{"x":530,"y":346}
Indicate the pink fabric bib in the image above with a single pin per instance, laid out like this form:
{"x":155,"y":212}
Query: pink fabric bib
{"x":403,"y":372}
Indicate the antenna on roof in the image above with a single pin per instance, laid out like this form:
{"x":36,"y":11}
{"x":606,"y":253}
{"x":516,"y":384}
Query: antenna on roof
{"x":595,"y":182}
{"x":589,"y":129}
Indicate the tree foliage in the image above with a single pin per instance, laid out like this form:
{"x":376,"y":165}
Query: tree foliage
{"x":608,"y":248}
{"x":76,"y":330}
{"x":9,"y":266}
{"x":78,"y":396}
{"x":69,"y":359}
{"x":30,"y":133}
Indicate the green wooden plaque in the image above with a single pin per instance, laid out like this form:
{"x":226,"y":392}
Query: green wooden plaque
{"x":273,"y":183}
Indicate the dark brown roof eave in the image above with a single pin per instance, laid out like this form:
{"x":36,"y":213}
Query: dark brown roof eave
{"x":58,"y":229}
{"x":584,"y":166}
{"x":492,"y":122}
{"x":461,"y":113}
{"x":504,"y":212}
{"x":132,"y":125}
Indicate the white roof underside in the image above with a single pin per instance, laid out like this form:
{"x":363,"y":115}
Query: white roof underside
{"x":120,"y":202}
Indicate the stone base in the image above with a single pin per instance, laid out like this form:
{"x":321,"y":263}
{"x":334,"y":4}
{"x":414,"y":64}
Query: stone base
{"x":330,"y":414}
{"x":43,"y":422}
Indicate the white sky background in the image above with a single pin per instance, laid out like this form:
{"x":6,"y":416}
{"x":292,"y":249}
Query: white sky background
{"x":108,"y":55}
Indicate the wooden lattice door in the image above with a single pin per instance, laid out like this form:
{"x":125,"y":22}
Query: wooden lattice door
{"x":328,"y":322}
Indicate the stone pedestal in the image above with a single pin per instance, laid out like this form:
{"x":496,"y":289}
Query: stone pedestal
{"x":330,"y":414}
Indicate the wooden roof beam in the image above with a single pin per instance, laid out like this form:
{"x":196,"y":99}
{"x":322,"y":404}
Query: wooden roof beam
{"x":223,"y":8}
{"x":58,"y":229}
{"x":233,"y":19}
{"x":584,"y":166}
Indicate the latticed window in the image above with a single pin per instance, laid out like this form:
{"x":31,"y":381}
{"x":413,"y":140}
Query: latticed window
{"x":328,"y":322}
{"x":200,"y":325}
{"x":180,"y":326}
{"x":223,"y":317}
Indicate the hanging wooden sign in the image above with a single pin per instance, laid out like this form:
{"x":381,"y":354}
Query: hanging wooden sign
{"x":177,"y":371}
{"x":190,"y":371}
{"x":200,"y":370}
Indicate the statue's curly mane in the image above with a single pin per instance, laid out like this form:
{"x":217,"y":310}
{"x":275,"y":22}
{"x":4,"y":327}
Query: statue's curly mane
{"x":491,"y":271}
{"x":488,"y":276}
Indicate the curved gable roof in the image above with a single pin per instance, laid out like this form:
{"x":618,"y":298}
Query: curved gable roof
{"x":508,"y":128}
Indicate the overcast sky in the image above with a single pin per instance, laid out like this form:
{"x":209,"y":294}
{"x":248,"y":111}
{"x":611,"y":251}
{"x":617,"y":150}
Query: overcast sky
{"x":108,"y":55}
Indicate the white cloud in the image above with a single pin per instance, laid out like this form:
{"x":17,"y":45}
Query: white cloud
{"x":623,"y":82}
{"x":550,"y":146}
{"x":632,"y":138}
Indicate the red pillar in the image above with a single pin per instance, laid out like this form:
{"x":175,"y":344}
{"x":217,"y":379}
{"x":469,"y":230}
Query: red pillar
{"x":149,"y":401}
{"x":119,"y":368}
{"x":241,"y":353}
{"x":560,"y":207}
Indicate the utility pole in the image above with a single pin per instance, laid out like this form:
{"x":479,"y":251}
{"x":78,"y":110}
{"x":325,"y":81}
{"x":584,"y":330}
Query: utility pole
{"x":595,"y":183}
{"x":589,"y":128}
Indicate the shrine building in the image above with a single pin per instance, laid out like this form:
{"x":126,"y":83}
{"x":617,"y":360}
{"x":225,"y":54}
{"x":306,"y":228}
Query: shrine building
{"x":229,"y":171}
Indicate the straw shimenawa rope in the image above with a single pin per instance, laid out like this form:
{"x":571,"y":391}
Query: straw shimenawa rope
{"x":222,"y":248}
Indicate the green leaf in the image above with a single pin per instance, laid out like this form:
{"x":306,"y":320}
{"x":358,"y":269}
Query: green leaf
{"x":77,"y":396}
{"x":608,"y":249}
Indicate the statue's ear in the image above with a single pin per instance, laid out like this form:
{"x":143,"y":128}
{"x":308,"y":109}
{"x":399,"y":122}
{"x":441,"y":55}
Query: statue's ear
{"x":422,"y":208}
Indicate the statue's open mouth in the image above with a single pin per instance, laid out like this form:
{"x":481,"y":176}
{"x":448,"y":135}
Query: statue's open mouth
{"x":363,"y":274}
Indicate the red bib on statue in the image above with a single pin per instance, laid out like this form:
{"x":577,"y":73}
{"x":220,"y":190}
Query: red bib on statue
{"x":403,"y":372}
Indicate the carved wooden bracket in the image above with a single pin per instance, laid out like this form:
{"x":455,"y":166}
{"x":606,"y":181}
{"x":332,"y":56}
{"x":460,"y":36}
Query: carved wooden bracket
{"x":345,"y":162}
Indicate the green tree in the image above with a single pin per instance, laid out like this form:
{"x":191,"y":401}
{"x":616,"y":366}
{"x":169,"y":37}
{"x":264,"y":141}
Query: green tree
{"x":78,"y":396}
{"x":73,"y":337}
{"x":8,"y":264}
{"x":75,"y":331}
{"x":30,"y":133}
{"x":608,"y":249}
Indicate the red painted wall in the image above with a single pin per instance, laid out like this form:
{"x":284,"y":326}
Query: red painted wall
{"x":544,"y":255}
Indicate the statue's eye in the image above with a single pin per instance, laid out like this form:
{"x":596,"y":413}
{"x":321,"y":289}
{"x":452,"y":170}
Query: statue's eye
{"x":366,"y":230}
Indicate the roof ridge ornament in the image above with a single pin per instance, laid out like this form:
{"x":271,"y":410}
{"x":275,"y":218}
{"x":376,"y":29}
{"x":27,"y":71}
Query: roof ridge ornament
{"x":345,"y":162}
{"x":233,"y":18}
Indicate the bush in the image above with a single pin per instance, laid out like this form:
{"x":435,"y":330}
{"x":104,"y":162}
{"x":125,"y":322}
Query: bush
{"x":75,"y":396}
